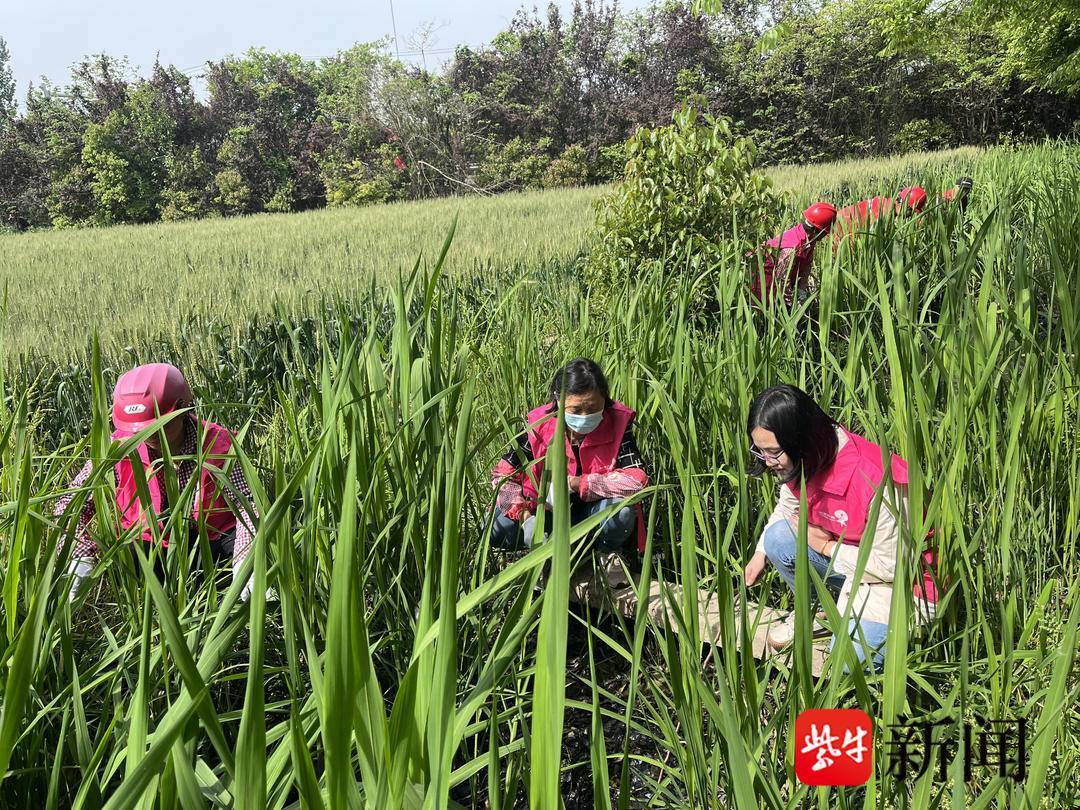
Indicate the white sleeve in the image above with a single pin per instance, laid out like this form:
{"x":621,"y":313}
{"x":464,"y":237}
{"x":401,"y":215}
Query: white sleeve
{"x":884,"y":542}
{"x":787,"y":506}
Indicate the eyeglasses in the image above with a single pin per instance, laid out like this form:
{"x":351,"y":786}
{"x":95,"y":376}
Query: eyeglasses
{"x":765,"y":456}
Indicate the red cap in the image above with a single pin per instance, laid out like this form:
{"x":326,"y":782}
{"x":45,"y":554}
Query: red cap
{"x":821,"y":215}
{"x":914,"y":196}
{"x":146,"y":392}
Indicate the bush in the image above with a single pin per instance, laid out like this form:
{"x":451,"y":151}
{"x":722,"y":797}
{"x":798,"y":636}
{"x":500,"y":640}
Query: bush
{"x":610,"y":163}
{"x":517,"y":164}
{"x":921,"y":135}
{"x":356,"y":182}
{"x":188,"y":185}
{"x":690,"y":189}
{"x":571,"y":168}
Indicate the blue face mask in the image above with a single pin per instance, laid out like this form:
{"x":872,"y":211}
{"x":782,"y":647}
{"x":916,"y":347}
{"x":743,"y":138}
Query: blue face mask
{"x":584,"y":423}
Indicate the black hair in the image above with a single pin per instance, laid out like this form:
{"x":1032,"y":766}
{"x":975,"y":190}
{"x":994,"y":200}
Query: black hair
{"x":965,"y":182}
{"x":803,"y":430}
{"x":579,"y":376}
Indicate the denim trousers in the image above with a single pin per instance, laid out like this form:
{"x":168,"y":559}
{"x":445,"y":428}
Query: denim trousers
{"x":780,"y":543}
{"x":511,"y":535}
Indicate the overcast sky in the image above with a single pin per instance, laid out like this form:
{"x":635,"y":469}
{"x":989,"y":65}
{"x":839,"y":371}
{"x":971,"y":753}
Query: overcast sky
{"x":46,"y":37}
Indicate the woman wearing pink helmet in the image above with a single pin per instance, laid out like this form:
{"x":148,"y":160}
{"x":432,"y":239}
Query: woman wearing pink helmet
{"x":140,"y":397}
{"x":789,"y":257}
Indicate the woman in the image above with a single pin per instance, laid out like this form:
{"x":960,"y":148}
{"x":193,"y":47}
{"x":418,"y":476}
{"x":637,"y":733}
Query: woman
{"x":139,"y":397}
{"x":789,"y":258}
{"x":604,"y":466}
{"x":794,"y":439}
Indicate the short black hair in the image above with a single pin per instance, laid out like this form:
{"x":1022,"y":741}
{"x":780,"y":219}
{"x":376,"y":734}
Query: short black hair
{"x":579,"y":376}
{"x":965,"y":182}
{"x":804,"y":431}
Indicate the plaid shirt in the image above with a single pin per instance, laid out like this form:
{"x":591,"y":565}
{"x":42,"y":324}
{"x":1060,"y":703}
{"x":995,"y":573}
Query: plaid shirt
{"x":185,"y":469}
{"x":627,"y":477}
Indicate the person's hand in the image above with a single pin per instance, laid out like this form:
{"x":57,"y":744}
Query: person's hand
{"x":245,"y":594}
{"x":79,"y":568}
{"x":574,"y":481}
{"x":818,"y":539}
{"x":754,"y":568}
{"x":525,"y":515}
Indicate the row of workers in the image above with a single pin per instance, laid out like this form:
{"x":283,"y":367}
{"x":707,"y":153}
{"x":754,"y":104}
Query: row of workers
{"x":787,"y":259}
{"x":790,"y":437}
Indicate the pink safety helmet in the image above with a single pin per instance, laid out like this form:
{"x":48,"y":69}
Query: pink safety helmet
{"x":146,"y":392}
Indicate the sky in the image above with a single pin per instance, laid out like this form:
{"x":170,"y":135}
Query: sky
{"x":46,"y":37}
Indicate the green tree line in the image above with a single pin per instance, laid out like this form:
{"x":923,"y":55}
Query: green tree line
{"x":549,"y":102}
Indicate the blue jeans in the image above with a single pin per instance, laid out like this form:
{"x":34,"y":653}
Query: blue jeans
{"x":510,"y":535}
{"x":780,"y":542}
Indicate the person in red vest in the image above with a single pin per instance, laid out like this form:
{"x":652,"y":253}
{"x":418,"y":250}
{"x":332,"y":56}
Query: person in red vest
{"x":789,"y":257}
{"x":960,"y":193}
{"x":865,"y":213}
{"x":604,"y":465}
{"x":141,"y":394}
{"x":794,"y":439}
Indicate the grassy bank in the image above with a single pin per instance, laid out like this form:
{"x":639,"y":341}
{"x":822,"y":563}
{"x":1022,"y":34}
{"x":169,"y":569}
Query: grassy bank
{"x":408,"y":665}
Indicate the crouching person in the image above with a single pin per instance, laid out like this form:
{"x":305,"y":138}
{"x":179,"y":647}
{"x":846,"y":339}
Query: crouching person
{"x":139,"y":397}
{"x":793,"y":438}
{"x":604,"y":466}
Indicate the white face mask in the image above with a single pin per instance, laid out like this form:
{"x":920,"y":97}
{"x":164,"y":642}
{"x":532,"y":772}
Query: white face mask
{"x":583,"y":423}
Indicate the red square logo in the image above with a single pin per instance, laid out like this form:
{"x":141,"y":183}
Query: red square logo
{"x":833,"y":747}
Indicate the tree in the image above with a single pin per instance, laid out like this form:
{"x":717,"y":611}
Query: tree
{"x":7,"y":87}
{"x":267,"y":132}
{"x":1039,"y":41}
{"x":691,"y":192}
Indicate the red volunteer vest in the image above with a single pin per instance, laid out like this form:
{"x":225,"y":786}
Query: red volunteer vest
{"x":838,"y":498}
{"x":598,"y":450}
{"x":209,"y":501}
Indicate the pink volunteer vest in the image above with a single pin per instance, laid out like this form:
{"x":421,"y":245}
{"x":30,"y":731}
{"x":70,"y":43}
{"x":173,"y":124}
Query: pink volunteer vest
{"x":794,"y":238}
{"x":208,"y":500}
{"x":839,"y":498}
{"x":599,"y":450}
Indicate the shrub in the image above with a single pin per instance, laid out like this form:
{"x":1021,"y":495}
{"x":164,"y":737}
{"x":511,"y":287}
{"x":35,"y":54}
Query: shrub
{"x":517,"y":164}
{"x":921,"y":135}
{"x":571,"y":168}
{"x":690,"y":189}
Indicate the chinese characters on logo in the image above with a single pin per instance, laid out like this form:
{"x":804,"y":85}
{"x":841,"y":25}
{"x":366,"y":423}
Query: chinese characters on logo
{"x":1000,"y":744}
{"x":835,"y":747}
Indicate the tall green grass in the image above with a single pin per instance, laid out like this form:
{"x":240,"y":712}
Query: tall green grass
{"x":406,"y":665}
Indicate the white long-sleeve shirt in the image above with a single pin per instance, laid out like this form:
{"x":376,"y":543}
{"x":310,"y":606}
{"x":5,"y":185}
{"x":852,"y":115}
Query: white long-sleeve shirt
{"x":872,"y":599}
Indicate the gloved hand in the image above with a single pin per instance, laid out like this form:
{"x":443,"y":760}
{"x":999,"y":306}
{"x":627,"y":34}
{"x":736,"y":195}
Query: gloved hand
{"x":245,"y":594}
{"x":79,"y":569}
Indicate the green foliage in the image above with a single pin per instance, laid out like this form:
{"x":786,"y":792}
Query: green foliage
{"x":548,"y":103}
{"x":233,"y":193}
{"x":691,"y":189}
{"x":7,"y":87}
{"x":516,"y":165}
{"x":571,"y":168}
{"x":1037,"y":42}
{"x":359,"y":183}
{"x":921,"y":135}
{"x":188,"y":185}
{"x":405,"y":663}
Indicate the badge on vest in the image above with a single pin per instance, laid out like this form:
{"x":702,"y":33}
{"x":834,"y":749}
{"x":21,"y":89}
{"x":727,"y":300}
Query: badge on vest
{"x":840,"y":516}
